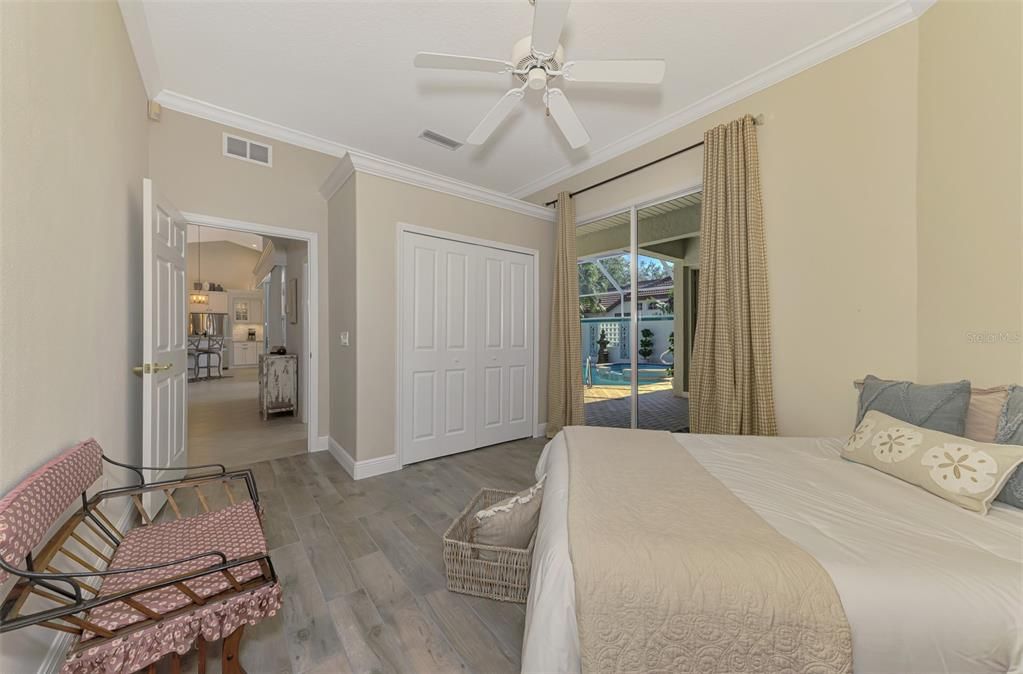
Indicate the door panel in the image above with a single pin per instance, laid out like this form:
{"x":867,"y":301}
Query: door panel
{"x":164,"y":387}
{"x":491,"y":396}
{"x":467,"y":346}
{"x":424,"y":307}
{"x":518,"y":285}
{"x":517,"y":393}
{"x":423,"y":393}
{"x":457,"y":333}
{"x":438,"y":345}
{"x":506,"y":354}
{"x":455,"y":402}
{"x":493,"y":300}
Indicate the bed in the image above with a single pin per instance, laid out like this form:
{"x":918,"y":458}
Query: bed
{"x":926,"y":585}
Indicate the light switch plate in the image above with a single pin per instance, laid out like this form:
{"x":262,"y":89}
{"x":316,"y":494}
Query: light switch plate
{"x":344,"y":339}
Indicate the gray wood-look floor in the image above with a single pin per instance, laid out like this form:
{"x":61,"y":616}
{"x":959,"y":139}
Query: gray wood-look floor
{"x":362,"y":569}
{"x":225,"y":426}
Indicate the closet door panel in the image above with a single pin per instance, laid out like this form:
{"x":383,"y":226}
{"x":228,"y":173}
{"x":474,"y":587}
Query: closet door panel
{"x":439,"y":348}
{"x":506,"y":350}
{"x":491,"y":396}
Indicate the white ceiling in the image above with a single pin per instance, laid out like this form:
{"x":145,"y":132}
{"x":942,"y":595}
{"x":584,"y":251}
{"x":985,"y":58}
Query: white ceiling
{"x":207,"y":234}
{"x":342,"y":71}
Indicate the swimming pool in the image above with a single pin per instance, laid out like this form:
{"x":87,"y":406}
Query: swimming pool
{"x":619,"y":374}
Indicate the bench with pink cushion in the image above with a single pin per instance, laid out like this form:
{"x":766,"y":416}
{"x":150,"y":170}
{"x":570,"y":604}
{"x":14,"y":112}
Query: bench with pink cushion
{"x":132,"y":595}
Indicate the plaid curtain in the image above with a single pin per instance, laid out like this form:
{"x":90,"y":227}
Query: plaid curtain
{"x":564,"y":378}
{"x":731,"y":390}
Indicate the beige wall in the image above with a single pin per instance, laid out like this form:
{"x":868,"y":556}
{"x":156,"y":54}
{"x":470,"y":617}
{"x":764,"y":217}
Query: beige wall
{"x":381,"y":204}
{"x":223,"y":262}
{"x":72,"y":159}
{"x":838,"y":162}
{"x":968,"y":193}
{"x":188,"y":166}
{"x":343,"y":316}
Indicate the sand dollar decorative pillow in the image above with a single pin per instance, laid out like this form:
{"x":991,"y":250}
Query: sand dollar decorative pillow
{"x":962,"y":471}
{"x":509,"y":523}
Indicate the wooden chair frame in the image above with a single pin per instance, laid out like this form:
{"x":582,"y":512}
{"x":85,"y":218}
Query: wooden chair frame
{"x":94,"y":531}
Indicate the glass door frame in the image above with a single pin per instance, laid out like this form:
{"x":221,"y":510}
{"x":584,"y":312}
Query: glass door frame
{"x":634,"y":321}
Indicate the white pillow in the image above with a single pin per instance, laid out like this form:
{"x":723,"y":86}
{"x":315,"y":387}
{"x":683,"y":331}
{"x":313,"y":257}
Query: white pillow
{"x":509,"y":523}
{"x":962,"y":471}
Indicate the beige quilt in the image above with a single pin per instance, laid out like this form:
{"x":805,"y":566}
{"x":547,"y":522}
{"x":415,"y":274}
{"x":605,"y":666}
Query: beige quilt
{"x":674,"y":573}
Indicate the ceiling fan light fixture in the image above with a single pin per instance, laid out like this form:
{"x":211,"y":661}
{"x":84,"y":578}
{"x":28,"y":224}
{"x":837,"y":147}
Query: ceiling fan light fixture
{"x":538,"y":60}
{"x":537,"y":78}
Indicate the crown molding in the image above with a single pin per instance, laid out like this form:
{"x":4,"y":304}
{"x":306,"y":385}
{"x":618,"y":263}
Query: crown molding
{"x":344,"y":170}
{"x":385,"y":168}
{"x":364,"y":162}
{"x":873,"y":26}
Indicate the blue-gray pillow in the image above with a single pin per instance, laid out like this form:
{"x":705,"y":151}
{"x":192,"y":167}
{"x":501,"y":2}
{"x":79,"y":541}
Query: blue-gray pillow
{"x":1010,"y":432}
{"x":939,"y":407}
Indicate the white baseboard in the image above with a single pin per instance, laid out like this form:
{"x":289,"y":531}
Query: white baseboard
{"x":322,"y":443}
{"x":343,"y":457}
{"x":541,"y":430}
{"x":55,"y":655}
{"x":362,"y":469}
{"x":377,"y":466}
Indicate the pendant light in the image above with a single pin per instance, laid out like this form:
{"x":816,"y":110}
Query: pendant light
{"x":198,"y":297}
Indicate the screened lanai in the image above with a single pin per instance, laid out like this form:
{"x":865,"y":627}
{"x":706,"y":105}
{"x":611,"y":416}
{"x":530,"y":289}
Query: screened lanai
{"x":658,"y":285}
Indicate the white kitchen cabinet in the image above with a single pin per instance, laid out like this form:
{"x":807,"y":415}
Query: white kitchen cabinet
{"x":245,"y":353}
{"x":246,"y":309}
{"x":218,"y":302}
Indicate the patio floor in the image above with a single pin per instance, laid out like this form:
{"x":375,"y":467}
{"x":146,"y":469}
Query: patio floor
{"x":659,"y":409}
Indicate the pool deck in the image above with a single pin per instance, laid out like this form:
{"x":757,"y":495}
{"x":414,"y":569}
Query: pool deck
{"x":659,"y":409}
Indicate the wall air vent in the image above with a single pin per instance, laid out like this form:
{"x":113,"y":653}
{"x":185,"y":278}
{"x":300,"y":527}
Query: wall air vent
{"x":440,"y":139}
{"x":248,"y":150}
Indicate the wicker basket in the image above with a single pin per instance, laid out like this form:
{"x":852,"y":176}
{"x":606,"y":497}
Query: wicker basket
{"x":502,"y":575}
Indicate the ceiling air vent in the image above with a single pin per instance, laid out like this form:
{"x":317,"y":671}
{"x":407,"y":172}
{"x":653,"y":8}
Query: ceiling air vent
{"x":439,"y":139}
{"x":247,"y":150}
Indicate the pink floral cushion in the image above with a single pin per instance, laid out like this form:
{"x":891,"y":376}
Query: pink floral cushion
{"x":235,"y":531}
{"x":140,"y":648}
{"x":28,"y":512}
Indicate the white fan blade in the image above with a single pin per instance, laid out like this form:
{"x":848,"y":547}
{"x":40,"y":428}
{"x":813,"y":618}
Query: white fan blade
{"x":624,"y":71}
{"x":494,"y":118}
{"x":425,"y":59}
{"x":548,"y":20}
{"x":567,"y":120}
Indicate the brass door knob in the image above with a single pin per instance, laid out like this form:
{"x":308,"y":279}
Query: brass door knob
{"x":150,"y":368}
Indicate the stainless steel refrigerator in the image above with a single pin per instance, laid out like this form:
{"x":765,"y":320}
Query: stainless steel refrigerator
{"x":207,"y":325}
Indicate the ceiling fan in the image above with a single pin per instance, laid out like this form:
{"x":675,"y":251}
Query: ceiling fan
{"x":536,"y":61}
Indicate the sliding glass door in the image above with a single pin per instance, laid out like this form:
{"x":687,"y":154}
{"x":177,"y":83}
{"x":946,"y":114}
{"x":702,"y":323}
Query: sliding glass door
{"x":605,"y":275}
{"x":638,"y":270}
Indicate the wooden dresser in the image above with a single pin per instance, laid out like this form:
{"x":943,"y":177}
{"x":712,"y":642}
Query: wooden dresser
{"x":278,"y":383}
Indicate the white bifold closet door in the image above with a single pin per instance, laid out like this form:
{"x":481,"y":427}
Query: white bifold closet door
{"x":467,"y":346}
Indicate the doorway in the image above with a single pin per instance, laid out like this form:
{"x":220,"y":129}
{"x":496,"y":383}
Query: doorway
{"x":637,"y":268}
{"x":259,"y":401}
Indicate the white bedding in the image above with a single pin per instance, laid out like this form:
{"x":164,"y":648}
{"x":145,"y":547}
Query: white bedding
{"x":927,"y":586}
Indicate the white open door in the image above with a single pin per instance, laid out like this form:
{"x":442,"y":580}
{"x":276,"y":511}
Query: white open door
{"x":164,"y":342}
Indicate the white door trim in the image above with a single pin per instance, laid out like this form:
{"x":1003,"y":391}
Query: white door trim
{"x":400,"y":230}
{"x":640,"y":203}
{"x":312,"y":397}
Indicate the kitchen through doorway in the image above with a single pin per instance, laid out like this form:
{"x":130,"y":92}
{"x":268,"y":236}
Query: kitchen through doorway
{"x":249,"y":356}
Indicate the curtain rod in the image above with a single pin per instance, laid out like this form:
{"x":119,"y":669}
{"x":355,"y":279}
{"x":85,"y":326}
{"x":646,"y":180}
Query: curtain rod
{"x":758,"y":121}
